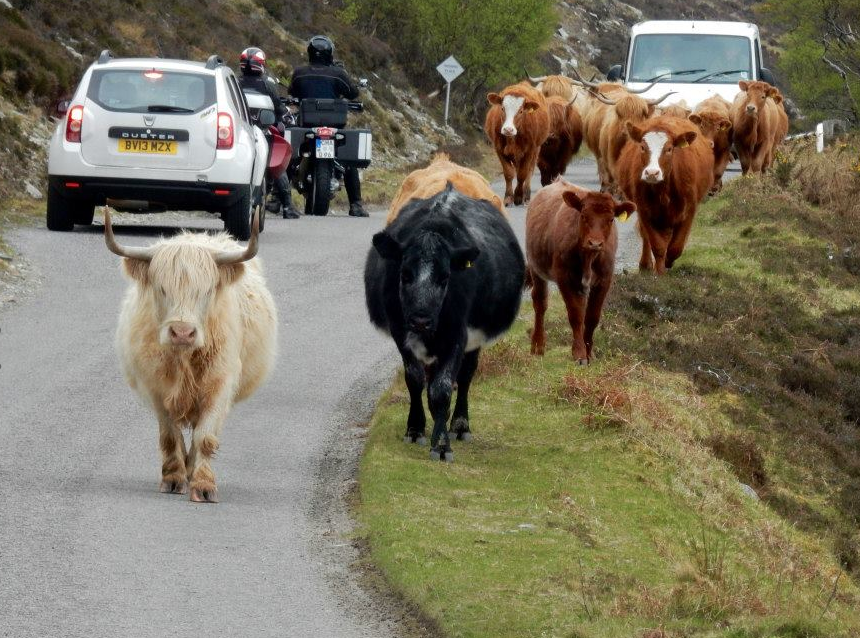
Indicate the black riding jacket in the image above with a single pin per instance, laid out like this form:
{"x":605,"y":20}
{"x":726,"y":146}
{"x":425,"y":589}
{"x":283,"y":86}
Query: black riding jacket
{"x":266,"y":85}
{"x":322,"y":82}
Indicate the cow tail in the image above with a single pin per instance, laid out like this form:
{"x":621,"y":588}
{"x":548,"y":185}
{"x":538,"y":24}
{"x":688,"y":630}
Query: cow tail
{"x":528,"y":280}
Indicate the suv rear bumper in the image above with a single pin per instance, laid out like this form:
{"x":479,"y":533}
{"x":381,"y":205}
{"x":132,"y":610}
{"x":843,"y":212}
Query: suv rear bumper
{"x":158,"y":193}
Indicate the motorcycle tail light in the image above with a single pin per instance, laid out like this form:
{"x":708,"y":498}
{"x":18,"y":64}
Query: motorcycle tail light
{"x":325,"y":132}
{"x":225,"y":131}
{"x":74,"y":123}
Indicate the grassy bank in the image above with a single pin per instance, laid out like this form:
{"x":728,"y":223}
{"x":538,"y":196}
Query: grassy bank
{"x":615,"y":500}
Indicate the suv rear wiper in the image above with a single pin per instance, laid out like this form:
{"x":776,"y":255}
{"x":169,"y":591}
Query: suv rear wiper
{"x":166,"y":108}
{"x":664,"y":75}
{"x":718,"y":73}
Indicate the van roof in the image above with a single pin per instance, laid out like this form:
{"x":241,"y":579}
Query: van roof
{"x":710,"y":27}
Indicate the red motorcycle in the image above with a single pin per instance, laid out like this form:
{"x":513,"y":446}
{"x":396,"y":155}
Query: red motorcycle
{"x":280,"y":151}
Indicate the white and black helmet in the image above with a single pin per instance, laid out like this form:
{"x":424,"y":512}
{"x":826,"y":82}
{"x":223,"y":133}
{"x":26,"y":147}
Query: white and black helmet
{"x":252,"y":61}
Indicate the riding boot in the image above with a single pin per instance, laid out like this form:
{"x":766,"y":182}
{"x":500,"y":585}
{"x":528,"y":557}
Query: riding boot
{"x":285,"y":194}
{"x":353,"y":192}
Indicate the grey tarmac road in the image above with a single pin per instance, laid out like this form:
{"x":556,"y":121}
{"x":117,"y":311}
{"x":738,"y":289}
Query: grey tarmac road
{"x":89,"y":548}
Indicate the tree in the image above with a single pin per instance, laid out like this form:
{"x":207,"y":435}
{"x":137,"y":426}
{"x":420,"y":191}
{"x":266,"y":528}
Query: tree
{"x":821,"y":53}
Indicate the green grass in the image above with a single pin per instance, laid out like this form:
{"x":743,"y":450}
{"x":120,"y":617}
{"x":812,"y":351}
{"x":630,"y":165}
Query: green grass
{"x":605,"y":501}
{"x":17,"y":212}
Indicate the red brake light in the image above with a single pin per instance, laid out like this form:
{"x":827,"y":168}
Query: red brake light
{"x":225,"y":131}
{"x":325,"y":132}
{"x":74,"y":122}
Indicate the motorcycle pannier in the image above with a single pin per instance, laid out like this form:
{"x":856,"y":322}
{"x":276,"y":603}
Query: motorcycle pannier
{"x":314,"y":112}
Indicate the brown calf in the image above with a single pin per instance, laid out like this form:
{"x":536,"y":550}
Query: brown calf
{"x":754,"y":119}
{"x":571,"y":239}
{"x":565,"y":138}
{"x":666,"y":168}
{"x":517,"y":124}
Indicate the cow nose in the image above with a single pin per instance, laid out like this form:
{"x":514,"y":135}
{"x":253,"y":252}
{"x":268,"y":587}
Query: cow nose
{"x":594,"y":244}
{"x":750,"y":108}
{"x":182,"y":334}
{"x":510,"y":131}
{"x":651,"y":174}
{"x":420,"y":323}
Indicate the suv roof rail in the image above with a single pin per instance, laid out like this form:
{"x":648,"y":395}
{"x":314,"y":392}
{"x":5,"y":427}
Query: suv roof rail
{"x":214,"y":61}
{"x":105,"y":56}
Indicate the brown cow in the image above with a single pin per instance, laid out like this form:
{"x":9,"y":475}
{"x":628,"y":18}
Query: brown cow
{"x":613,"y":133}
{"x":754,"y":120}
{"x":678,"y":109}
{"x":555,"y":85}
{"x":713,"y":117}
{"x":565,"y":138}
{"x":517,"y":124}
{"x":571,"y":239}
{"x":426,"y":182}
{"x":781,"y":128}
{"x":666,"y":168}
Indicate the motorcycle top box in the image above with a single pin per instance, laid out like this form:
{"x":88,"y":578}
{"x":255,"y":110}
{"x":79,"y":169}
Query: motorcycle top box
{"x":313,"y":112}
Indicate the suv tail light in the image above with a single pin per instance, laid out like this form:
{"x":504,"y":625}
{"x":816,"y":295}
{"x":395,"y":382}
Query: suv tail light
{"x":74,"y":120}
{"x":225,"y":131}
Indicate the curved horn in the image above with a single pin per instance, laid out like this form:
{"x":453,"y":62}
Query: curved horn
{"x":597,"y":95}
{"x":638,"y":91}
{"x":536,"y":80}
{"x":227,"y":257}
{"x":656,"y":101}
{"x":143,"y":253}
{"x":579,"y":78}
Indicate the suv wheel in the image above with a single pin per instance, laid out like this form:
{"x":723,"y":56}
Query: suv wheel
{"x":237,"y":218}
{"x":63,"y":213}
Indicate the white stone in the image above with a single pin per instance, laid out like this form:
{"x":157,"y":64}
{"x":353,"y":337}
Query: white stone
{"x":32,"y":191}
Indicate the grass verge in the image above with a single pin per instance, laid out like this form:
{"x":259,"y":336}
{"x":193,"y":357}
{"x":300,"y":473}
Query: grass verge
{"x":610,"y":501}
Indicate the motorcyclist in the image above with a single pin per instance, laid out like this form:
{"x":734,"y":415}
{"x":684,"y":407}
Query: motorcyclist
{"x":252,"y":63}
{"x":324,"y":79}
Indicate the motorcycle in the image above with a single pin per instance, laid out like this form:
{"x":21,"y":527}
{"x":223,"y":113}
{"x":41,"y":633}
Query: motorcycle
{"x":280,"y":151}
{"x":323,"y":148}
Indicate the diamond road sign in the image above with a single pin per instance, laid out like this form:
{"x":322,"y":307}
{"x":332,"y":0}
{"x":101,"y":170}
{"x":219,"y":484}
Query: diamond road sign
{"x":450,"y":69}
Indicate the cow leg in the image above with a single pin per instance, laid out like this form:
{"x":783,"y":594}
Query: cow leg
{"x":540,"y":302}
{"x":575,"y":301}
{"x":460,"y":420}
{"x":172,"y":444}
{"x":646,"y":260}
{"x":524,"y":178}
{"x":596,"y":297}
{"x":659,"y":243}
{"x":204,"y":445}
{"x":509,"y":171}
{"x":439,"y":397}
{"x":679,"y":239}
{"x":417,"y":421}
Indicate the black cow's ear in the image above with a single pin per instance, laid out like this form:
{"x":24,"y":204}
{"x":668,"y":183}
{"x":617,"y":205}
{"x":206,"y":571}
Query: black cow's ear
{"x":462,"y":258}
{"x":387,"y":246}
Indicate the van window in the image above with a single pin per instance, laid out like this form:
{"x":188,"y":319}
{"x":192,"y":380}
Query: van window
{"x":148,"y":91}
{"x":684,"y":58}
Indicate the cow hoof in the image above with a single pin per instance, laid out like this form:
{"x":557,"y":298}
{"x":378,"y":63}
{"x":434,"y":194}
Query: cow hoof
{"x":434,"y":455}
{"x":419,"y":440}
{"x":582,"y":362}
{"x":464,"y":436}
{"x":448,"y":457}
{"x":204,"y":496}
{"x":173,"y":487}
{"x":442,"y":455}
{"x":509,"y":201}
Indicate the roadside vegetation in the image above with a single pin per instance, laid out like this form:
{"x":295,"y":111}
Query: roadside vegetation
{"x":702,"y":478}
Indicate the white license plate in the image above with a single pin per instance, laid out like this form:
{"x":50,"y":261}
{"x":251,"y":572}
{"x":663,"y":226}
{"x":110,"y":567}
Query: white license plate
{"x":325,"y":149}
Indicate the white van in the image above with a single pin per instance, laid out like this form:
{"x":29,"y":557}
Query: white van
{"x":695,"y":59}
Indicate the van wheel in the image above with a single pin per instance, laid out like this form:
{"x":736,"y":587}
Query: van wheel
{"x":63,"y":213}
{"x":237,"y":218}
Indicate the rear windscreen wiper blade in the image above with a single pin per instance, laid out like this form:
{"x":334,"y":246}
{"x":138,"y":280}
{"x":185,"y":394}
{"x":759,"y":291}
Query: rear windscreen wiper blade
{"x":665,"y":75}
{"x":718,"y":73}
{"x":166,"y":108}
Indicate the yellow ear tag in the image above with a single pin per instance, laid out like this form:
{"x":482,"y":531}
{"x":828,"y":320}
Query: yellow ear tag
{"x":468,"y":264}
{"x":623,"y":216}
{"x":683,"y":144}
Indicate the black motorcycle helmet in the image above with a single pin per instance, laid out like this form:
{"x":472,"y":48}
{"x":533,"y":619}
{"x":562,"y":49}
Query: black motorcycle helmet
{"x":252,"y":61}
{"x":320,"y":50}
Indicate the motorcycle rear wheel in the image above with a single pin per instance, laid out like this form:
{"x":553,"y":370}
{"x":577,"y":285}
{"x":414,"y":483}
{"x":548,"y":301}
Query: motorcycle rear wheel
{"x":318,"y":194}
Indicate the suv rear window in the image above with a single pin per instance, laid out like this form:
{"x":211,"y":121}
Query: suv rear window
{"x":148,"y":91}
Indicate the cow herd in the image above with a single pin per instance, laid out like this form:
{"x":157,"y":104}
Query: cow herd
{"x":444,"y":278}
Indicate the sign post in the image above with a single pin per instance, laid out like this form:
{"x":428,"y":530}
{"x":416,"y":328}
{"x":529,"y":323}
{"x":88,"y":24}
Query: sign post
{"x":450,"y":70}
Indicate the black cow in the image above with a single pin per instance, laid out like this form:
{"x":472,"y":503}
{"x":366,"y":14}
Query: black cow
{"x":444,"y":279}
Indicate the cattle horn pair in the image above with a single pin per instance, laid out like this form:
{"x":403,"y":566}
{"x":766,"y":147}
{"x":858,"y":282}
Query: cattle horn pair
{"x":146,"y":253}
{"x":651,"y":102}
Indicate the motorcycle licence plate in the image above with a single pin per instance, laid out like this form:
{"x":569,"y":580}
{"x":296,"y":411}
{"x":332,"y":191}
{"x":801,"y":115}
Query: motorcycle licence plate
{"x":325,"y":149}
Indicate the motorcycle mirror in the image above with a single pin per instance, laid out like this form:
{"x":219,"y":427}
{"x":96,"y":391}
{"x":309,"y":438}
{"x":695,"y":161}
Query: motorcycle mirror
{"x":266,"y":117}
{"x":63,"y":107}
{"x":363,"y":83}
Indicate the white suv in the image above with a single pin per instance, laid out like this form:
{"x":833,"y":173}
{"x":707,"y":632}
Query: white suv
{"x":151,"y":134}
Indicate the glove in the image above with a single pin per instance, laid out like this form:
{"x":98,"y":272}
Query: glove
{"x":281,"y":128}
